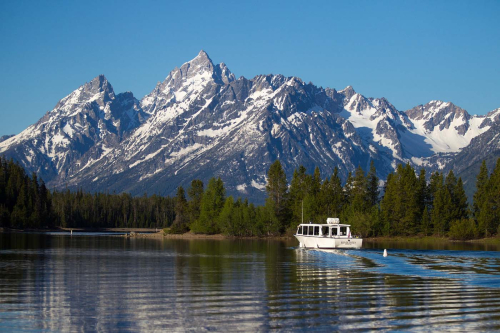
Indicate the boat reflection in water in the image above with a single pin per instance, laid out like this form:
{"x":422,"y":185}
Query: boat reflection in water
{"x":331,"y":235}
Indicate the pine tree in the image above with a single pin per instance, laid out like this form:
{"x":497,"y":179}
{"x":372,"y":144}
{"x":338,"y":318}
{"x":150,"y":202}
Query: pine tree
{"x":423,"y":191}
{"x":360,"y":200}
{"x":373,"y":191}
{"x":480,"y":196}
{"x":348,"y":189}
{"x":195,"y":193}
{"x":451,"y":183}
{"x":212,"y":203}
{"x":312,"y":198}
{"x":181,"y":217}
{"x":334,"y":195}
{"x":489,"y":212}
{"x":277,"y":191}
{"x":296,"y":195}
{"x":268,"y":219}
{"x":20,"y":214}
{"x":227,"y":221}
{"x":442,"y":210}
{"x":315,"y":185}
{"x":435,"y":182}
{"x":401,"y":211}
{"x":412,"y":210}
{"x":426,"y":226}
{"x":389,"y":213}
{"x":460,"y":201}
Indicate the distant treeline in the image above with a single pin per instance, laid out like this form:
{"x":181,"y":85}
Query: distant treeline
{"x":409,"y":205}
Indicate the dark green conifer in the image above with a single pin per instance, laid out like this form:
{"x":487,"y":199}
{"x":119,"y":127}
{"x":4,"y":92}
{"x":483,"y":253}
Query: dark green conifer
{"x":277,"y":191}
{"x":480,"y":195}
{"x":348,"y":189}
{"x":180,"y":224}
{"x":195,"y":193}
{"x":212,"y":203}
{"x":360,"y":200}
{"x":373,"y":191}
{"x":442,"y":211}
{"x":227,"y":219}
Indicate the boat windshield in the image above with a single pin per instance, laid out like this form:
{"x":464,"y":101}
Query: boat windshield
{"x":309,"y":230}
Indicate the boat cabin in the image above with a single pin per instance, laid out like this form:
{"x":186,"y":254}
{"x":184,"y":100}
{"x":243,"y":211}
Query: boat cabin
{"x":332,"y":229}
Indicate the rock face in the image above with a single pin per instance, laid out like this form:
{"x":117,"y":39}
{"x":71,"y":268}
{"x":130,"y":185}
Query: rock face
{"x":202,"y":122}
{"x":467,"y":162}
{"x":82,"y":128}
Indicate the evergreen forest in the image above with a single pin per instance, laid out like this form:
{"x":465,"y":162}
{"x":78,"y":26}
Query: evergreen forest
{"x":408,"y":204}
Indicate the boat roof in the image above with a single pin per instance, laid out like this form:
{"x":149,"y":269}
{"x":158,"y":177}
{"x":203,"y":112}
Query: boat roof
{"x":325,"y":224}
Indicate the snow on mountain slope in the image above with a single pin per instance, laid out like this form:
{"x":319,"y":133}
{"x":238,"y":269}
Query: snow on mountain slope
{"x":201,"y":122}
{"x":81,"y":129}
{"x":446,"y":127}
{"x":417,"y":134}
{"x":234,"y":129}
{"x":376,"y":120}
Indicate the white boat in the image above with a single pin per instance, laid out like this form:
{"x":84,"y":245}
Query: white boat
{"x":332,"y":235}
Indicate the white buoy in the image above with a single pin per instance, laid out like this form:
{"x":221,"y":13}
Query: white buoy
{"x":385,"y":252}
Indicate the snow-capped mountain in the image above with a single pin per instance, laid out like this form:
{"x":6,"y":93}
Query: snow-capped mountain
{"x":83,"y":127}
{"x":446,"y":127}
{"x":486,"y":146}
{"x":202,"y":122}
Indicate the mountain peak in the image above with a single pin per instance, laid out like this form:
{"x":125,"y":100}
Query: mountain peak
{"x":98,"y":89}
{"x":202,"y":66}
{"x":435,"y":106}
{"x":202,"y":60}
{"x":348,"y":92}
{"x":98,"y":84}
{"x":202,"y":54}
{"x":222,"y":74}
{"x":99,"y":78}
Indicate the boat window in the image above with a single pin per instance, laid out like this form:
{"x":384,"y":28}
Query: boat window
{"x":299,"y":231}
{"x":316,"y":231}
{"x":343,"y":231}
{"x":324,"y":231}
{"x":334,"y":231}
{"x":305,"y":230}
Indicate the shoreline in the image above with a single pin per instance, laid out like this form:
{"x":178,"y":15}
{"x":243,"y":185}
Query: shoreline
{"x":57,"y":229}
{"x":416,"y":239}
{"x":159,"y":233}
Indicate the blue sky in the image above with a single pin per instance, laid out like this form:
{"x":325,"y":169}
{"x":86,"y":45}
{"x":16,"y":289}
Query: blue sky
{"x":410,"y":52}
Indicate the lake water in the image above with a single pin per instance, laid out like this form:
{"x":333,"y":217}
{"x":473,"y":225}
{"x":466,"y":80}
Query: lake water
{"x":107,"y":283}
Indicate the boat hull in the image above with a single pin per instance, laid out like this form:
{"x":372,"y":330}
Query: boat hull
{"x":314,"y":242}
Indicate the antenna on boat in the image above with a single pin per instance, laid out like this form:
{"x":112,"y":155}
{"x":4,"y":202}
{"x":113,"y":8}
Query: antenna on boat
{"x":385,"y":252}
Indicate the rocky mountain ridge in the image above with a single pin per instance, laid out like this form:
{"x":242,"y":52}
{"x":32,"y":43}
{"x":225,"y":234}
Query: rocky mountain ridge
{"x":201,"y":122}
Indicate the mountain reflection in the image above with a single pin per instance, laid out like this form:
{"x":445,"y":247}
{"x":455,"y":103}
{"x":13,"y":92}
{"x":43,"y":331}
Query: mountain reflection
{"x":89,"y":283}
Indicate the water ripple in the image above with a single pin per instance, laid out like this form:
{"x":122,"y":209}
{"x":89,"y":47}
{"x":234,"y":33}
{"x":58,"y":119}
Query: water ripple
{"x":116,"y":284}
